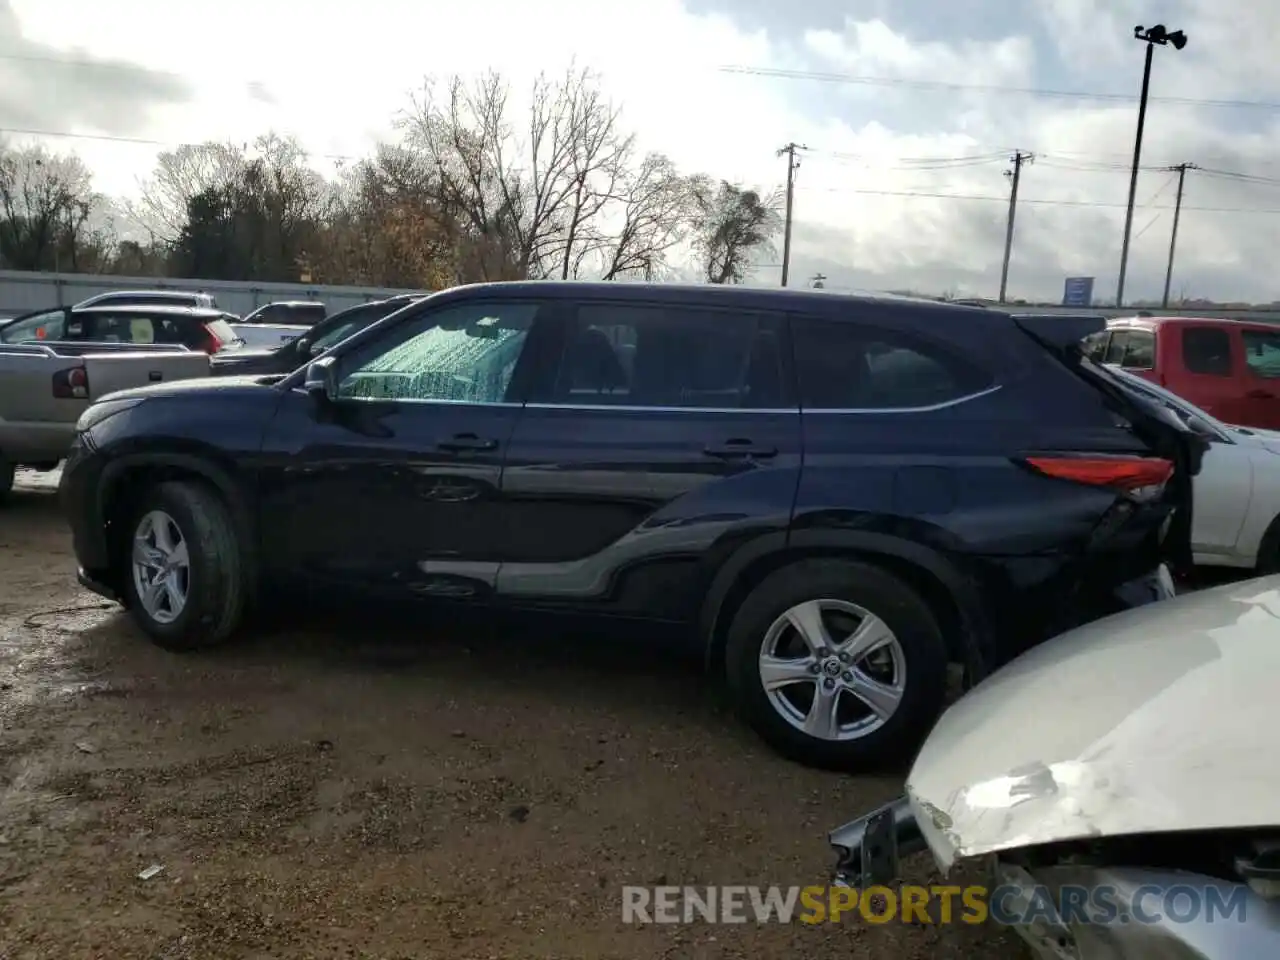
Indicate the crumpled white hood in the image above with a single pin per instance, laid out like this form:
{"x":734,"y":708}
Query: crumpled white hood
{"x":1160,"y":719}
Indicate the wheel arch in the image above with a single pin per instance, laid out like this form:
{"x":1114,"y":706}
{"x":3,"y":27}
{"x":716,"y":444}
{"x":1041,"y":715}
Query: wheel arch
{"x":126,"y":478}
{"x":951,"y":596}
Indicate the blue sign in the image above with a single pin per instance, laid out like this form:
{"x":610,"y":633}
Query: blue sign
{"x":1077,"y":292}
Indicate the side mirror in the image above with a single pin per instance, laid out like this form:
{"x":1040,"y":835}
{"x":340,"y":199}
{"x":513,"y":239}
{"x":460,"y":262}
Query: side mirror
{"x":322,"y":379}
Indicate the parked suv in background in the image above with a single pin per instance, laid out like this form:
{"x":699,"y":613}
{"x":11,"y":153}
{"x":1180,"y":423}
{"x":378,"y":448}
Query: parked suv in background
{"x":191,"y":327}
{"x":332,"y":330}
{"x":839,"y":495}
{"x":1229,"y":368}
{"x":292,"y":312}
{"x":151,"y":298}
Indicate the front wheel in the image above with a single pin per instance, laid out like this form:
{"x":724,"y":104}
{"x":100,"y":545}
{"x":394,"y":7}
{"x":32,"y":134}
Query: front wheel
{"x":837,"y":664}
{"x":184,"y":574}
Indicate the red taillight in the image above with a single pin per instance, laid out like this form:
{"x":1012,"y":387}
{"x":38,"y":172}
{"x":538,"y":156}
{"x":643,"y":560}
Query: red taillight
{"x":71,"y":384}
{"x":1140,"y":477}
{"x":212,"y":343}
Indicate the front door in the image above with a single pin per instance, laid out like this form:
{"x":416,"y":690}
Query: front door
{"x":658,"y":434}
{"x":397,"y":484}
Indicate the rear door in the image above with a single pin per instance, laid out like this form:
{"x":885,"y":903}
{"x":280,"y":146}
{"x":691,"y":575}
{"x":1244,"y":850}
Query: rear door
{"x":657,"y":432}
{"x":1261,"y":348}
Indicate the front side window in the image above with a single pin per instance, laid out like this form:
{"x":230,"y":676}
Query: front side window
{"x":1094,"y":346}
{"x":1206,"y":350}
{"x":1262,"y":352}
{"x":671,"y":355}
{"x":43,"y":326}
{"x":845,"y":366}
{"x":465,"y":353}
{"x":1116,"y":348}
{"x":1140,"y":354}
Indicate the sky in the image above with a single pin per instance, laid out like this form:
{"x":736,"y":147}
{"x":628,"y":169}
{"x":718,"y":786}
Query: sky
{"x":910,"y":111}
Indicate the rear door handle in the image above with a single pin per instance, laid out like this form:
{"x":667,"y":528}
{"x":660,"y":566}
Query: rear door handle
{"x":738,"y":447}
{"x":468,"y":441}
{"x":1260,"y":395}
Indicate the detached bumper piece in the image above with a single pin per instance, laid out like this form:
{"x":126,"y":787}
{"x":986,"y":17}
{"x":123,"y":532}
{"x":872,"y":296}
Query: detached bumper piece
{"x":868,"y":850}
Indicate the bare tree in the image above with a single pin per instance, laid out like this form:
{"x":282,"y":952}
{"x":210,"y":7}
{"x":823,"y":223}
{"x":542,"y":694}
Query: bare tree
{"x":525,"y":195}
{"x":46,"y":207}
{"x":181,"y":175}
{"x":734,"y":225}
{"x":652,"y":213}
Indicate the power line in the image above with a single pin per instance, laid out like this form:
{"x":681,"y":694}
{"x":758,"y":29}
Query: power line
{"x":138,"y":141}
{"x":930,"y":195}
{"x":990,"y":88}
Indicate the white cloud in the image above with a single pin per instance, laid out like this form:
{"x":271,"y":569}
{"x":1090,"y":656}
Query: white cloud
{"x":337,"y":78}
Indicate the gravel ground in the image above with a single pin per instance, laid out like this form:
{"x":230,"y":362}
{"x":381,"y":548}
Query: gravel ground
{"x":342,"y":790}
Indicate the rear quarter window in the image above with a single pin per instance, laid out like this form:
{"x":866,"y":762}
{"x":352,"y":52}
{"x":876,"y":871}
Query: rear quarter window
{"x":846,"y":366}
{"x":1206,"y":351}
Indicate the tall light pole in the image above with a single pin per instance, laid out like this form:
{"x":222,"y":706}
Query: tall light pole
{"x":1153,"y":37}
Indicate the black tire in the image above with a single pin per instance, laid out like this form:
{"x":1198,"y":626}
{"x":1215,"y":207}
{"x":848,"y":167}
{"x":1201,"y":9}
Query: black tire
{"x":216,"y":591}
{"x":875,"y":590}
{"x":7,"y":470}
{"x":1268,"y":560}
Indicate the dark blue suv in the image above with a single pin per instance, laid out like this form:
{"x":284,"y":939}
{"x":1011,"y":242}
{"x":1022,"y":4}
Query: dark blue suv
{"x":839,"y":496}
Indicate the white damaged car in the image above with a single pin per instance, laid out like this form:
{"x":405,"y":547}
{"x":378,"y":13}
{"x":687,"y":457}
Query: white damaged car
{"x":1124,"y":778}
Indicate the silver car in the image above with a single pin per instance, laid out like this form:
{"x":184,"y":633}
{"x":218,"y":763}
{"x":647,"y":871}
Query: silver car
{"x":1121,"y":782}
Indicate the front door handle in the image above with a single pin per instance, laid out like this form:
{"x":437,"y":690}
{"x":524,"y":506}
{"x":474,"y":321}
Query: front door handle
{"x":468,"y":441}
{"x":1260,"y":395}
{"x":739,"y":447}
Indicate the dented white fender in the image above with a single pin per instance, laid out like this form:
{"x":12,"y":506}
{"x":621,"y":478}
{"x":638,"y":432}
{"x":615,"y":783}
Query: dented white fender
{"x":1159,"y":719}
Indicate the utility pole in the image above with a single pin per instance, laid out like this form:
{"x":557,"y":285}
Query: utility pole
{"x":1181,"y":169}
{"x":1014,"y":175}
{"x":793,"y":164}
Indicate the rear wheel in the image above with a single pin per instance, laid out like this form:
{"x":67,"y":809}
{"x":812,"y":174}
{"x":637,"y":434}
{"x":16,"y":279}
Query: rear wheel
{"x":837,"y":664}
{"x":183,"y":572}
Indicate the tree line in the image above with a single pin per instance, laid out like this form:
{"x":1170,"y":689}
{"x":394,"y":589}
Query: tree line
{"x":472,"y":188}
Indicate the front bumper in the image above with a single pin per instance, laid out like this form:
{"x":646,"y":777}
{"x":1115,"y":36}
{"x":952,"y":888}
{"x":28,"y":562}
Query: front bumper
{"x":78,"y":494}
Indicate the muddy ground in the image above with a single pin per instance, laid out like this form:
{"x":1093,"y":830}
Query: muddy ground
{"x":340,"y":790}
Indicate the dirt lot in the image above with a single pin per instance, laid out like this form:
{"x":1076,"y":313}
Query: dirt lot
{"x":324,"y":791}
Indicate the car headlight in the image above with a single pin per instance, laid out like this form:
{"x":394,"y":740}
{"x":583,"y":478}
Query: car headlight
{"x":100,"y":411}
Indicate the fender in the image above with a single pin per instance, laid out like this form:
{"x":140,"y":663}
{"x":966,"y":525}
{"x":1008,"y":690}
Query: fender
{"x":980,"y":649}
{"x":204,"y":467}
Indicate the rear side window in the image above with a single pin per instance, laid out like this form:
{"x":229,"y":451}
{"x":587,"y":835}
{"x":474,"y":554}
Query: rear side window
{"x":843,"y":366}
{"x":670,"y":356}
{"x":1206,"y":350}
{"x":1262,"y":352}
{"x":1140,"y":354}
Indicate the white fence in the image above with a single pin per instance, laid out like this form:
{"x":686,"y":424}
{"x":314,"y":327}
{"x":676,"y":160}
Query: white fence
{"x":21,"y":292}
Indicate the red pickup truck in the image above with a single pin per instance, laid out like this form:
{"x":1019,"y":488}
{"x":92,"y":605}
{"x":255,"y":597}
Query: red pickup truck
{"x":1229,"y":368}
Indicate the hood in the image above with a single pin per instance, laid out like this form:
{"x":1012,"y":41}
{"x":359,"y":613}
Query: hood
{"x":1268,"y":439}
{"x":1156,"y":720}
{"x":201,"y":385}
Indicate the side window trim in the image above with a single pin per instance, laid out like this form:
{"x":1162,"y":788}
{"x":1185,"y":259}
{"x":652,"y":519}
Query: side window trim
{"x":517,"y":388}
{"x":907,"y":337}
{"x":543,"y":391}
